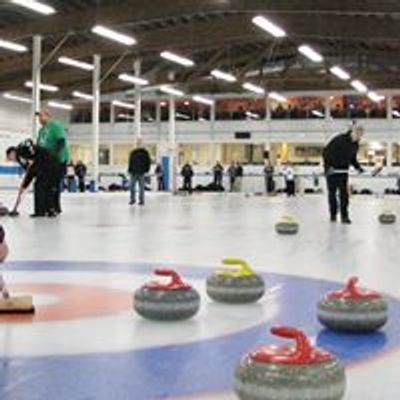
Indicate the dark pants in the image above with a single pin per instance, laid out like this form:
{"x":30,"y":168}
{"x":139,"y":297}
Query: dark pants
{"x":290,"y":188}
{"x":137,"y":179}
{"x":232,"y":181}
{"x":218,"y":178}
{"x":81,"y":184}
{"x":60,"y":174}
{"x":187,"y":184}
{"x":46,"y":186}
{"x":160,"y":183}
{"x":269,"y":184}
{"x":338,"y":184}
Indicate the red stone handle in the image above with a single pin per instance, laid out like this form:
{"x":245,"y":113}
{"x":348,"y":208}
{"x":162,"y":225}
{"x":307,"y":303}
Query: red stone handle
{"x":301,"y":353}
{"x":175,"y":283}
{"x":303,"y":350}
{"x":352,"y":291}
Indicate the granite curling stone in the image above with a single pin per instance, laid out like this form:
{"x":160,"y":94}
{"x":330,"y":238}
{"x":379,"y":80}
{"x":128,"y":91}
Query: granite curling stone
{"x":387,"y":217}
{"x":353,"y":309}
{"x":238,"y":286}
{"x":287,"y":226}
{"x":298,"y":372}
{"x":172,"y":301}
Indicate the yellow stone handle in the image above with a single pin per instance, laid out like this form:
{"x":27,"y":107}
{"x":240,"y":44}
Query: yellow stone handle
{"x":288,"y":218}
{"x":242,"y":268}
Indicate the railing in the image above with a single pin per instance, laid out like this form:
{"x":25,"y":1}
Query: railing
{"x":276,"y":130}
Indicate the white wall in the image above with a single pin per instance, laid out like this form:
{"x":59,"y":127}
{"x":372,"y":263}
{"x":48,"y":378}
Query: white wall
{"x":14,"y":117}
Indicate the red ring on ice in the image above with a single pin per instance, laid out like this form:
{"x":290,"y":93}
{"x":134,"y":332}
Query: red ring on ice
{"x":76,"y":302}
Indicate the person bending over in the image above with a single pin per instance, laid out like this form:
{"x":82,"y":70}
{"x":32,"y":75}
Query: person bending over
{"x":32,"y":159}
{"x":338,"y":155}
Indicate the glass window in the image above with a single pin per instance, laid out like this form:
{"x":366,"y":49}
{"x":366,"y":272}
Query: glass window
{"x":305,"y":107}
{"x":104,"y":155}
{"x":240,"y":109}
{"x":356,"y":107}
{"x":81,"y":114}
{"x":105,"y":112}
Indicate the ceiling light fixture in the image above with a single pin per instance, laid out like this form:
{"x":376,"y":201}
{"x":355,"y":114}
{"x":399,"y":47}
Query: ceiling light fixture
{"x":19,"y":48}
{"x":34,"y":5}
{"x":62,"y":106}
{"x":269,"y":26}
{"x":14,"y":97}
{"x":216,"y":73}
{"x":277,"y":97}
{"x":81,"y":95}
{"x":133,"y":79}
{"x":310,"y":53}
{"x":113,"y":35}
{"x":122,"y":104}
{"x":75,"y":63}
{"x":170,"y":90}
{"x":340,"y":73}
{"x":253,"y":88}
{"x":203,"y":100}
{"x":43,"y":86}
{"x":186,"y":62}
{"x":359,"y":86}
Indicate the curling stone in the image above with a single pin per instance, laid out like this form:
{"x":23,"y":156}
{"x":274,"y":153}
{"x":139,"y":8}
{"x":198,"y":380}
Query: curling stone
{"x":387,"y":217}
{"x":172,"y":301}
{"x":8,"y":303}
{"x":242,"y":285}
{"x":353,"y":309}
{"x":298,"y":372}
{"x":287,"y":226}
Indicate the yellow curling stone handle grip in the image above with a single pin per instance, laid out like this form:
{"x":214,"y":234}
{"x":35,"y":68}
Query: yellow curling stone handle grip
{"x":288,"y":218}
{"x":242,"y":268}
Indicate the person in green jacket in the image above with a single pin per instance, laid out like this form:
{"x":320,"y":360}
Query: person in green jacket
{"x":52,"y":139}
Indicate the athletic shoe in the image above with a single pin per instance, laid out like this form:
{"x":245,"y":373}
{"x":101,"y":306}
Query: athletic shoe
{"x":37,"y":215}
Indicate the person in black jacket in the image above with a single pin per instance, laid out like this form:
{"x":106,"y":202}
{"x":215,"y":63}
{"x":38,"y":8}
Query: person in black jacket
{"x":139,"y":166}
{"x":187,"y":174}
{"x":33,"y":160}
{"x":80,"y":172}
{"x":218,"y":172}
{"x":338,"y":155}
{"x":160,"y":177}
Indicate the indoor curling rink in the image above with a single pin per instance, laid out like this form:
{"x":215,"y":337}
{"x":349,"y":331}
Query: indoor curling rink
{"x":85,"y":341}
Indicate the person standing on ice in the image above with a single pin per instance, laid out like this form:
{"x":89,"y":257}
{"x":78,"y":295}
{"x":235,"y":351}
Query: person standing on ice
{"x":338,"y":155}
{"x":139,"y":166}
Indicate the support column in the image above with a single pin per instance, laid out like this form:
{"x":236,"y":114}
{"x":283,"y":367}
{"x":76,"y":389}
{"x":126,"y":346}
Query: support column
{"x":267,"y":109}
{"x":36,"y":80}
{"x":328,"y":107}
{"x":112,"y":114}
{"x":138,"y":101}
{"x":389,"y":155}
{"x":389,"y":107}
{"x":172,"y":145}
{"x":96,"y":118}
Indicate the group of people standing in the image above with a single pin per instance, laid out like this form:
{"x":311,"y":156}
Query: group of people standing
{"x":338,"y":155}
{"x":44,"y":163}
{"x":76,"y":171}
